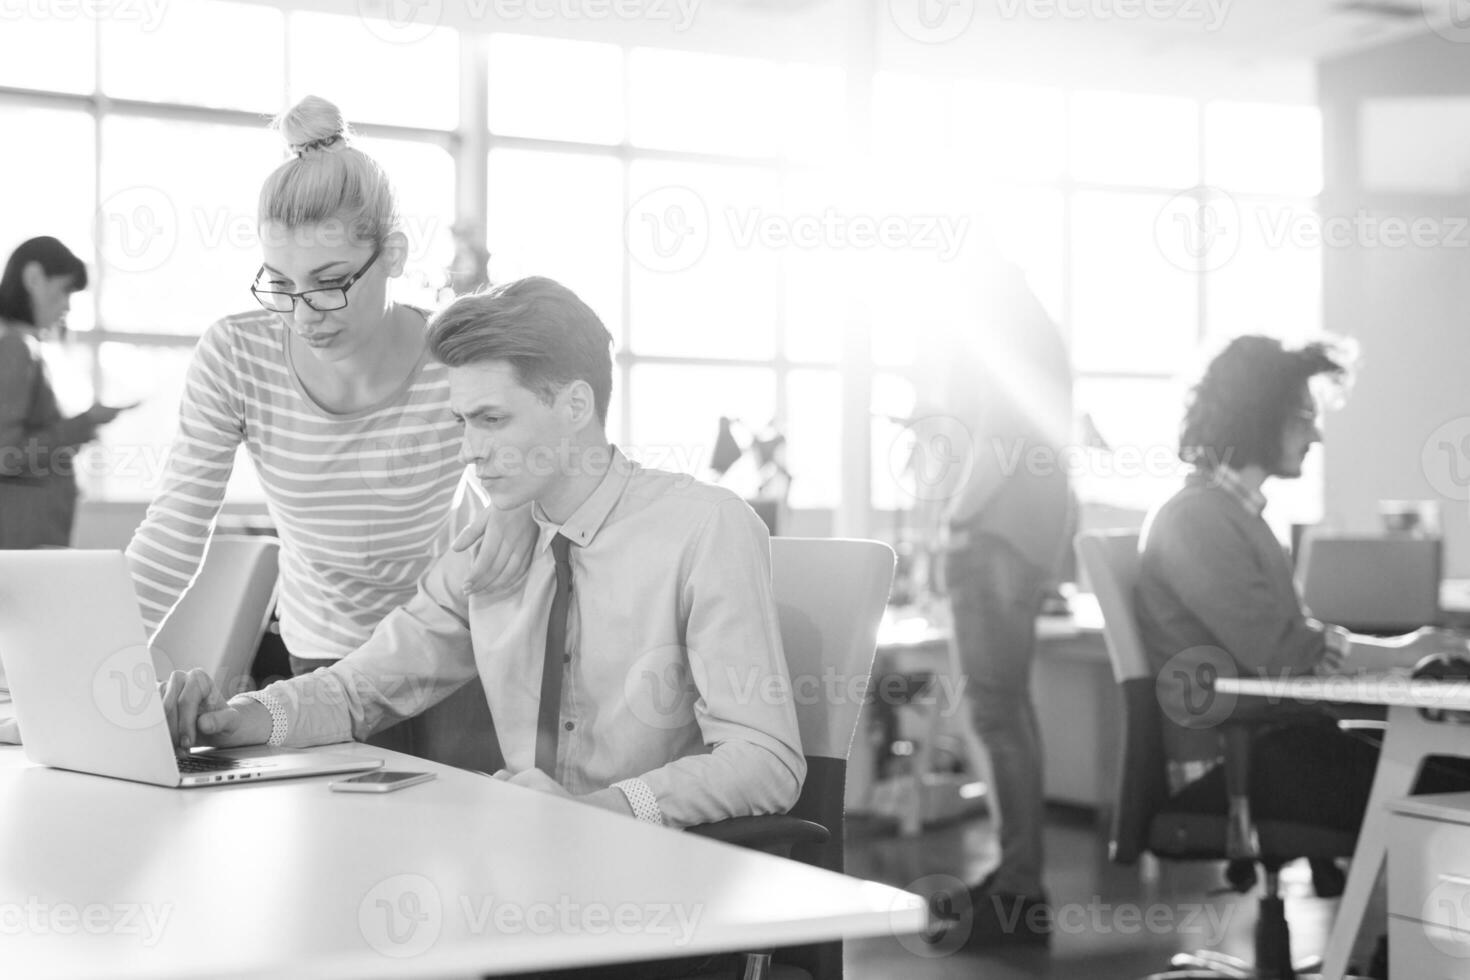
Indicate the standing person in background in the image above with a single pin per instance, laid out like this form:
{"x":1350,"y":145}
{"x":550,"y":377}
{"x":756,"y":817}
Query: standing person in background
{"x":1008,"y":384}
{"x":38,"y":487}
{"x":330,"y":388}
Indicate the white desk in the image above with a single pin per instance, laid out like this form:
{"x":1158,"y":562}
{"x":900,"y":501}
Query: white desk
{"x":1076,"y":700}
{"x":461,"y":876}
{"x":1409,"y":740}
{"x":1428,"y":911}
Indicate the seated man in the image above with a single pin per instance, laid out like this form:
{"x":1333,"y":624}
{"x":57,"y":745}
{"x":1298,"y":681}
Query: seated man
{"x":1215,"y":593}
{"x":619,"y":672}
{"x":1215,"y":585}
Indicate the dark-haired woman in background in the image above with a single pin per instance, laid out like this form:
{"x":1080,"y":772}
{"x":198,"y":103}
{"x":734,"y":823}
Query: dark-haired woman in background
{"x":38,"y":490}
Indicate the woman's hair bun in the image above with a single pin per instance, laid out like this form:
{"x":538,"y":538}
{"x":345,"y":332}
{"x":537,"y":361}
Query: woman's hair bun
{"x":313,"y":124}
{"x":328,"y":179}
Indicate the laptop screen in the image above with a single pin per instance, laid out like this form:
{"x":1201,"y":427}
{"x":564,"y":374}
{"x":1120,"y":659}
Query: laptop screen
{"x":1372,"y":584}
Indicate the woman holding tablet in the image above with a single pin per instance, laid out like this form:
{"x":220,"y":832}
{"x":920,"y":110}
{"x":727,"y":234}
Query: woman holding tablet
{"x":38,"y":487}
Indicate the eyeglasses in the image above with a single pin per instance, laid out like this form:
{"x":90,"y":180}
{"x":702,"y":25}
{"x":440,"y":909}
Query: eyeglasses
{"x":1307,"y":417}
{"x":321,"y":300}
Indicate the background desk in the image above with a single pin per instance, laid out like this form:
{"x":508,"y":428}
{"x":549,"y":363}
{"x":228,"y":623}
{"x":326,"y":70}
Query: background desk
{"x":461,"y":876}
{"x":1409,"y":740}
{"x":1071,"y":683}
{"x":1429,"y":888}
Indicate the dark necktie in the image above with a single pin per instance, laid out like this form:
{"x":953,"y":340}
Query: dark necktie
{"x":556,"y":656}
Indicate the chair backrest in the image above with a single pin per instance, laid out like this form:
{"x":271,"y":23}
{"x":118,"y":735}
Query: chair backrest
{"x":219,"y":620}
{"x":830,"y":595}
{"x":1110,"y":562}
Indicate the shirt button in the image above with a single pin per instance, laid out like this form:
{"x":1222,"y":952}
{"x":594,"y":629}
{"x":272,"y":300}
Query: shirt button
{"x":569,"y":726}
{"x":566,"y":658}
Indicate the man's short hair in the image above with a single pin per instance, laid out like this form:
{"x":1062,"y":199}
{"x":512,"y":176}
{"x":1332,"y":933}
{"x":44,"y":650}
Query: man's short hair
{"x":1238,"y":411}
{"x":538,"y":326}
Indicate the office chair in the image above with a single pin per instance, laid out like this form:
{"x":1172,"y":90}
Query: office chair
{"x":219,"y":620}
{"x":830,"y":596}
{"x":457,"y":731}
{"x":1147,"y":818}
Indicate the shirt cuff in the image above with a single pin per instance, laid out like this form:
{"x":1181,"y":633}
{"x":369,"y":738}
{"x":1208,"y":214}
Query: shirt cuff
{"x":272,"y":704}
{"x":642,"y":800}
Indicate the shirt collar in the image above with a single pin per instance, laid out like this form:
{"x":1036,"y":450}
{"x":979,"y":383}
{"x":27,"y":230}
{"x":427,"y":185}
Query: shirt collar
{"x":582,"y":527}
{"x":1230,"y":481}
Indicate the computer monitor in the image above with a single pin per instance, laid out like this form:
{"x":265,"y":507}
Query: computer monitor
{"x":1372,"y":584}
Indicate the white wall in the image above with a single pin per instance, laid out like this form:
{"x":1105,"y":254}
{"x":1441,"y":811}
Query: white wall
{"x":1402,"y":432}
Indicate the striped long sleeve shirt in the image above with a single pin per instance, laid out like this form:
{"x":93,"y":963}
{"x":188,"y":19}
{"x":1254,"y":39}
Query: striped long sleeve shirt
{"x":361,"y":501}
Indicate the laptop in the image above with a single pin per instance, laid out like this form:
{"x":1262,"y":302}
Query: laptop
{"x":85,"y":687}
{"x":1384,"y":585}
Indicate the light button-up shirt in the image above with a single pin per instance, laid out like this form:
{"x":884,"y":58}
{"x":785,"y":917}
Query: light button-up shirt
{"x":676,"y":674}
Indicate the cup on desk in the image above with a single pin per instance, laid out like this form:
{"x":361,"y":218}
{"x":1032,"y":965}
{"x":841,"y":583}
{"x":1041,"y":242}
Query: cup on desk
{"x":1416,"y":518}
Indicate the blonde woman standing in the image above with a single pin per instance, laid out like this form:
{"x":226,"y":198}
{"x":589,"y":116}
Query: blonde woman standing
{"x":330,"y":389}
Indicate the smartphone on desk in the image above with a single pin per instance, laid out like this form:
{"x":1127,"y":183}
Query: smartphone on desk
{"x":381,"y":781}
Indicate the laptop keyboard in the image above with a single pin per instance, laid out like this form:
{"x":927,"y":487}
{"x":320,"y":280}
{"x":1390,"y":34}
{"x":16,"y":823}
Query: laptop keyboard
{"x":208,"y":763}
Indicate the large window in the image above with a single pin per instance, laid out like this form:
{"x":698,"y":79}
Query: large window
{"x":247,"y":73}
{"x":750,"y":260}
{"x":1152,"y":229}
{"x":672,"y":228}
{"x":177,"y":221}
{"x":152,"y":176}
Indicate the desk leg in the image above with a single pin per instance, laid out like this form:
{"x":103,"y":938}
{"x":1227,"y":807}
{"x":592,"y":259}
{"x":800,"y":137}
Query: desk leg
{"x":915,"y":811}
{"x":1409,"y":740}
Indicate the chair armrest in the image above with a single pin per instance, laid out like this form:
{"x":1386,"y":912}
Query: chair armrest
{"x":775,"y":833}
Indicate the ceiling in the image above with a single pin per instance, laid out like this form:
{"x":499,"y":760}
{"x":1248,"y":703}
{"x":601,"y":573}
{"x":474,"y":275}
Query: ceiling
{"x":1246,"y":30}
{"x":1269,"y":46}
{"x":1208,"y":45}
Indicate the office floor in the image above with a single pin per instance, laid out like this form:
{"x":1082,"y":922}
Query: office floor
{"x":1113,"y":924}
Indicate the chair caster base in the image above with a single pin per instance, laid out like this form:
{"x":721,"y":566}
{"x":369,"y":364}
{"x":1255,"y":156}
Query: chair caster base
{"x":1205,"y":964}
